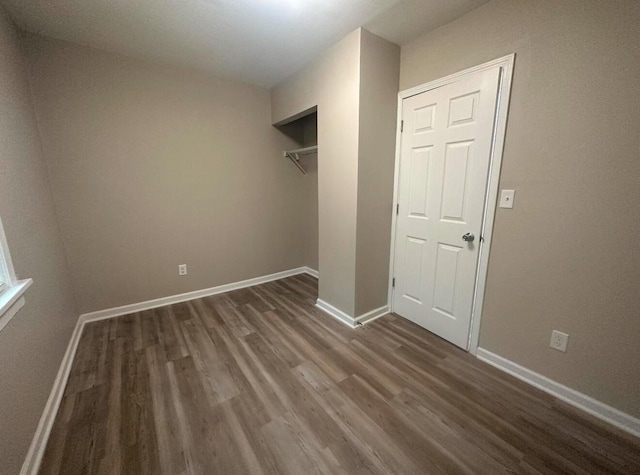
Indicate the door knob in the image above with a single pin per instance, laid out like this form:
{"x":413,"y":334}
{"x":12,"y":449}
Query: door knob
{"x":469,"y":237}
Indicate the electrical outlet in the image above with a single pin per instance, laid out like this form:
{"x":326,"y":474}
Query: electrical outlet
{"x":182,"y":269}
{"x":559,"y":341}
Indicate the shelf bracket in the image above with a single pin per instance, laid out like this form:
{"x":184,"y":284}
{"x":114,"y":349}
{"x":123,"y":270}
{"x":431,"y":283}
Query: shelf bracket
{"x":294,"y":155}
{"x":296,"y":161}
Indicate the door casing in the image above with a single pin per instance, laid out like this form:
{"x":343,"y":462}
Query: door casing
{"x":505,"y":64}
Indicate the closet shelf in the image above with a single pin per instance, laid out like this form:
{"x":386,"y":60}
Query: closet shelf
{"x":294,"y":155}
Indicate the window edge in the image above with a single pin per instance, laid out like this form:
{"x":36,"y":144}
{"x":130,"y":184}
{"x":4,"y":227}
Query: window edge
{"x":12,"y":300}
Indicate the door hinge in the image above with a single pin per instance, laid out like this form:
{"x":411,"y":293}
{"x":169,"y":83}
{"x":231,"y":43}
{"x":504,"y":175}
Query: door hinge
{"x":393,"y":282}
{"x":401,"y":126}
{"x":398,"y":208}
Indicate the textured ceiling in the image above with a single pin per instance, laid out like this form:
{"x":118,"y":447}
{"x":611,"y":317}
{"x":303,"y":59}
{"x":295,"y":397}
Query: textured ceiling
{"x":255,"y":41}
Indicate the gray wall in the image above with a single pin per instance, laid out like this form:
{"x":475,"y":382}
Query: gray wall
{"x":332,"y":84}
{"x":379,"y":77}
{"x":309,"y":196}
{"x":34,"y":341}
{"x":354,"y":86}
{"x":153,"y":166}
{"x":310,"y":192}
{"x":566,"y":256}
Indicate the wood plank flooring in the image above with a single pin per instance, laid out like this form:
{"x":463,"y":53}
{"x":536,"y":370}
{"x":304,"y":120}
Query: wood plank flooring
{"x":260,"y":381}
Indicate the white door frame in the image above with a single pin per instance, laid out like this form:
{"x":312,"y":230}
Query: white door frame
{"x":491,"y":198}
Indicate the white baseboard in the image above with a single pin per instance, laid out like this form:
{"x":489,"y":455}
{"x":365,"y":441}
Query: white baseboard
{"x":336,"y":313}
{"x":599,"y":409}
{"x":372,"y":315}
{"x":32,"y":462}
{"x":196,"y":294}
{"x":349,"y":320}
{"x":311,"y":272}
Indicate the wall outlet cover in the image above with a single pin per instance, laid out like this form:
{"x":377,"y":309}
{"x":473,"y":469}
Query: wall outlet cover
{"x":506,"y":198}
{"x":182,"y":269}
{"x":559,"y":341}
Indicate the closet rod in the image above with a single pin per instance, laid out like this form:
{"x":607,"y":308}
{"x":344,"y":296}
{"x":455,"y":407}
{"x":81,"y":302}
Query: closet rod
{"x":305,"y":150}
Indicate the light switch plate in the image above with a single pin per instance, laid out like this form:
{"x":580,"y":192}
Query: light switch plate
{"x":506,"y":198}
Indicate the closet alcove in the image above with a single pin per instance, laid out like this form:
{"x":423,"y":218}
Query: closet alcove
{"x":303,"y":154}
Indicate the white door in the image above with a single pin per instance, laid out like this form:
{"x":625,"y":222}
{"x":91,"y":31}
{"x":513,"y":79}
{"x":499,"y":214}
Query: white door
{"x":444,"y":168}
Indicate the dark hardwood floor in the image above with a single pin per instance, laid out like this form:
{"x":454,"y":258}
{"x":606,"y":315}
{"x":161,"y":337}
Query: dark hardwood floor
{"x":260,"y":381}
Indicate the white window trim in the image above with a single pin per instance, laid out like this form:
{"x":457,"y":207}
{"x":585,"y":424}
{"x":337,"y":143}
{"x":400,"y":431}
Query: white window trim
{"x":11,"y":297}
